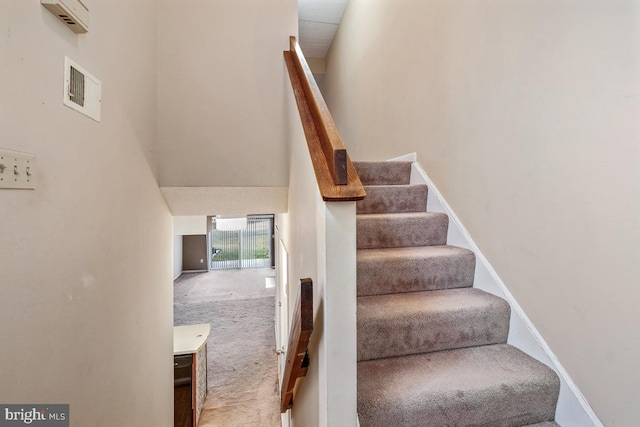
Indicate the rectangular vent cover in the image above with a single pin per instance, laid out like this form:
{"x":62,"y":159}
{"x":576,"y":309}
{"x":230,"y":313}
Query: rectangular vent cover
{"x":82,"y":91}
{"x":73,"y":13}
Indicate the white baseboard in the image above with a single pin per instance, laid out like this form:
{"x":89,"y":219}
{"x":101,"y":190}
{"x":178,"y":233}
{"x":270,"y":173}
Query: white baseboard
{"x":573,"y":409}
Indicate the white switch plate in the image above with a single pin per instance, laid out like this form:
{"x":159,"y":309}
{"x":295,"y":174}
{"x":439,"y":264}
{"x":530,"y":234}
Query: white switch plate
{"x":17,"y":170}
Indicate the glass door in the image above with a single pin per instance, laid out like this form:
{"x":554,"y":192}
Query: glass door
{"x":248,"y":247}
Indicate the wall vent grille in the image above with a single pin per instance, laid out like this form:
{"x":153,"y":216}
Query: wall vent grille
{"x":82,"y":91}
{"x":76,"y":87}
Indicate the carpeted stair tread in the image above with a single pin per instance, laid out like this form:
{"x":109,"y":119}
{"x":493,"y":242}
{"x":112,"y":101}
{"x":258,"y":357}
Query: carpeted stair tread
{"x":393,"y":198}
{"x":420,"y":322}
{"x":491,"y":386}
{"x":383,"y":173}
{"x":410,"y":269}
{"x":401,"y":229}
{"x":544,"y":424}
{"x":431,"y":349}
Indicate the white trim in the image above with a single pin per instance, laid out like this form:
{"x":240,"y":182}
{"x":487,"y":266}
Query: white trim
{"x":285,"y":418}
{"x":411,"y":157}
{"x":336,"y":231}
{"x":573,"y":409}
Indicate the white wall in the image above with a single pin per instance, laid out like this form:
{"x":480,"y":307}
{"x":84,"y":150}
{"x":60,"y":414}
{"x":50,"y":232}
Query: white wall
{"x":572,"y":409}
{"x":194,"y":201}
{"x":85,"y":259}
{"x":297,"y":229}
{"x":185,"y":225}
{"x":525,"y":114}
{"x":222,"y":91}
{"x":321,"y":242}
{"x":189,"y":225}
{"x":177,"y":255}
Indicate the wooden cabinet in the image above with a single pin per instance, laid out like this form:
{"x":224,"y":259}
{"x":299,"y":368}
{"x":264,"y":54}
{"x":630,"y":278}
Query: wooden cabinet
{"x":190,"y":373}
{"x":183,"y":391}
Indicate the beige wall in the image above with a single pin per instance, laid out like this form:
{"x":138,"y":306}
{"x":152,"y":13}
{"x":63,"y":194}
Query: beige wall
{"x":298,"y":230}
{"x":186,"y":225}
{"x":525,"y":114}
{"x":177,"y":255}
{"x":198,"y":201}
{"x":320,"y":239}
{"x":85,"y":260}
{"x":221,"y":92}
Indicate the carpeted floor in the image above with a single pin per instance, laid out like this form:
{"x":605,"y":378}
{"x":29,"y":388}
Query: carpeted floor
{"x":242,"y":364}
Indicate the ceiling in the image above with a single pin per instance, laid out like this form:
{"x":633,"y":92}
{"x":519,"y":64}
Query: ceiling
{"x":318,"y":21}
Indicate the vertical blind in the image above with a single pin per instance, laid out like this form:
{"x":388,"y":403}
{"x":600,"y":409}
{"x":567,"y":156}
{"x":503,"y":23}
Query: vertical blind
{"x":248,"y":248}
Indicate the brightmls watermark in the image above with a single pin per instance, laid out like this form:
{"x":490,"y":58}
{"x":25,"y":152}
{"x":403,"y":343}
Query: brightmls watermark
{"x":34,"y":415}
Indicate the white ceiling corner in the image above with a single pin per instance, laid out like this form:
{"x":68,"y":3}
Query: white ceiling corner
{"x":317,"y":32}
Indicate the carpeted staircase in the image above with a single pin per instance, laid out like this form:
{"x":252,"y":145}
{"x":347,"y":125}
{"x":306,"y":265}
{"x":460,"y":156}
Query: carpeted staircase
{"x":431,"y":349}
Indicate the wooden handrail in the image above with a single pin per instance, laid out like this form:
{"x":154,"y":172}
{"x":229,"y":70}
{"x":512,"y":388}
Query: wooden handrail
{"x":330,"y":139}
{"x":297,"y":356}
{"x":336,"y":176}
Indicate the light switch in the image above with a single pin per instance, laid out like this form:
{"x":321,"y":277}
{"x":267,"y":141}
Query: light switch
{"x":17,"y":170}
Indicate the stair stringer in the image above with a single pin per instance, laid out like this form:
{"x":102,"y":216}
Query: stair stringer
{"x":573,"y":409}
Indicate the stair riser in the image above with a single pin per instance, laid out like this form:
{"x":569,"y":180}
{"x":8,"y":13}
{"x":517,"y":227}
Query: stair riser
{"x":489,"y":386}
{"x":402,"y":232}
{"x":393,"y":199}
{"x":487,"y":408}
{"x":383,"y":173}
{"x":432,"y":330}
{"x":384,"y":275}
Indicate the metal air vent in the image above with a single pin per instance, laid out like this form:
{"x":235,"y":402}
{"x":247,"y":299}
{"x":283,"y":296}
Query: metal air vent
{"x":76,"y":86}
{"x":73,"y":13}
{"x":82,"y":91}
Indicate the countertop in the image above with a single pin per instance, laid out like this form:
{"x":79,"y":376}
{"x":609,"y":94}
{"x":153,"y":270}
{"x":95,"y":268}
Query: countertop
{"x":190,"y":339}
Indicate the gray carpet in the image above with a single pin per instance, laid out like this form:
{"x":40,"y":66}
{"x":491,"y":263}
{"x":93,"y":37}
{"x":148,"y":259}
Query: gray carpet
{"x":431,"y":349}
{"x":420,"y":322}
{"x":398,"y":230}
{"x":495,"y":386}
{"x":418,"y":268}
{"x":393,"y":199}
{"x":242,"y":365}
